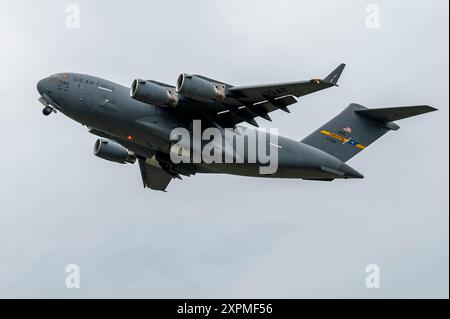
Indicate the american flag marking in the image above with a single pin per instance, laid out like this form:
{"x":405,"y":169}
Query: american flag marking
{"x":348,"y":129}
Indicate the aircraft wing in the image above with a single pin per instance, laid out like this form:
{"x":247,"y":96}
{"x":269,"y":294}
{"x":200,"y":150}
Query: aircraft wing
{"x":245,"y":103}
{"x":260,"y":93}
{"x":154,"y":177}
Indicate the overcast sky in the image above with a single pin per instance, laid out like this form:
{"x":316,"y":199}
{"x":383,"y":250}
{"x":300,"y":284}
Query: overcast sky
{"x":226,"y":236}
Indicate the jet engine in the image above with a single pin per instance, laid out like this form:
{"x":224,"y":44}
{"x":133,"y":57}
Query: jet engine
{"x":200,"y":89}
{"x":113,"y":152}
{"x":152,"y":93}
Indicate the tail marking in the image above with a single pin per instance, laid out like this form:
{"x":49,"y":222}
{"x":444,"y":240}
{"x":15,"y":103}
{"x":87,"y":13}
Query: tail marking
{"x":343,"y":139}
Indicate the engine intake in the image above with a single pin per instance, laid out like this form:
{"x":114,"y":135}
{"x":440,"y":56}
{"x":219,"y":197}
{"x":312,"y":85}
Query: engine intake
{"x":113,"y":152}
{"x":197,"y":88}
{"x":152,"y":93}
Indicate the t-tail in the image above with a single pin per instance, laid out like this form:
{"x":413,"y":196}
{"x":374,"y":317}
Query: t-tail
{"x":357,"y":127}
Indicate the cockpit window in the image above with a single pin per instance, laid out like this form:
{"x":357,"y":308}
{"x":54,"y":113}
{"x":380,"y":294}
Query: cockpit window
{"x":59,"y":76}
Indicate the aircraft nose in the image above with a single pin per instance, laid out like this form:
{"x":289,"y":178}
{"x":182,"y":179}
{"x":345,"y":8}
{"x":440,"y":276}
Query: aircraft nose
{"x":41,"y":86}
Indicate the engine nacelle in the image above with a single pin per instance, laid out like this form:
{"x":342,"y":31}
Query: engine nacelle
{"x":197,"y":88}
{"x":152,"y":93}
{"x":113,"y":152}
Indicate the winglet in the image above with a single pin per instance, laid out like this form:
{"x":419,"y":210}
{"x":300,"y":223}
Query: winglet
{"x":334,"y":76}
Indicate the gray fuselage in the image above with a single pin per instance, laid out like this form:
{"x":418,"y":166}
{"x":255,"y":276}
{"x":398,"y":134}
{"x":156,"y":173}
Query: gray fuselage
{"x":107,"y":109}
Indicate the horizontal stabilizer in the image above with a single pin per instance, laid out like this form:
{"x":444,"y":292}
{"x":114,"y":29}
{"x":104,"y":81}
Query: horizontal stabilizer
{"x":387,"y":115}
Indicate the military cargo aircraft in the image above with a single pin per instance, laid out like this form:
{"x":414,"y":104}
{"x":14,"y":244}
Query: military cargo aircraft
{"x":138,"y":124}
